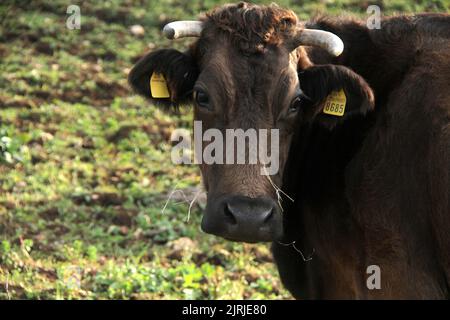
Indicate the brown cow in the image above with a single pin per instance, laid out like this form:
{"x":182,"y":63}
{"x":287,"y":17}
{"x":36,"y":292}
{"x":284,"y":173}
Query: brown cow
{"x":370,"y":186}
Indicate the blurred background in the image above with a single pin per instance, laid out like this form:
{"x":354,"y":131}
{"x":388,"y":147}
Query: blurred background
{"x":88,"y":207}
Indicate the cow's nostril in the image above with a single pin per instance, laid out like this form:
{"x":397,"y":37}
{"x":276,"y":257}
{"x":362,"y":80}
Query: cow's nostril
{"x":269,"y":216}
{"x":229,"y":215}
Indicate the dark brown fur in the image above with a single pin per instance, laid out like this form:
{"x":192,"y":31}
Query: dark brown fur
{"x":377,"y":191}
{"x":253,"y":28}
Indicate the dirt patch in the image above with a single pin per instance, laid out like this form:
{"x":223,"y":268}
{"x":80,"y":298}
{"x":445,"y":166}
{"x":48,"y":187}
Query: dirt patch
{"x":103,"y":199}
{"x":50,"y":214}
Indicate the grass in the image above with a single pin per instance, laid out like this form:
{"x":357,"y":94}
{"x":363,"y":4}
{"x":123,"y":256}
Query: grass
{"x":85,"y":166}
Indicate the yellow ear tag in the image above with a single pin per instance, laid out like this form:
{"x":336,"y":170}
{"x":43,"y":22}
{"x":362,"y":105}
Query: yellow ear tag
{"x":158,"y":86}
{"x":335,"y":103}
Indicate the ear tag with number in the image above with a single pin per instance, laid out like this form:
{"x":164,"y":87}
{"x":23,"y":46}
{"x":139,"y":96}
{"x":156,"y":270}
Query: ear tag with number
{"x":158,"y":86}
{"x":335,"y":103}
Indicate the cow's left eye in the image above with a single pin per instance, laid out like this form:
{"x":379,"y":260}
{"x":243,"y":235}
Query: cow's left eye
{"x":297,"y":103}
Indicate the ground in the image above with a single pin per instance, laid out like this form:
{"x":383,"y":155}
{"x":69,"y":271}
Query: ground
{"x":85,"y":169}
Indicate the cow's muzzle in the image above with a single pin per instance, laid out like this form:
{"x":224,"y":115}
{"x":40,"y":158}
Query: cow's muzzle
{"x":240,"y":218}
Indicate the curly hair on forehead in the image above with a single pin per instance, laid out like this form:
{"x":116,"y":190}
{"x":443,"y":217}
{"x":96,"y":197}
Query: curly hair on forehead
{"x":253,"y":27}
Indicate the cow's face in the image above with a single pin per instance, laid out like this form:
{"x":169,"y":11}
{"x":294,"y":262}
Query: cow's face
{"x":248,"y":92}
{"x":257,"y":98}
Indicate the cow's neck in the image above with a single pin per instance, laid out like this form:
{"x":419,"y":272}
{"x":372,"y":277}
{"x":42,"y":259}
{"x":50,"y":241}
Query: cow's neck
{"x":320,"y":220}
{"x":316,"y":178}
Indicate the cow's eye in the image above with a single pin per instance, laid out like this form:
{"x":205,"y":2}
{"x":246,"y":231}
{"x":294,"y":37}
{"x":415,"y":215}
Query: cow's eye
{"x":297,"y":103}
{"x":201,"y":98}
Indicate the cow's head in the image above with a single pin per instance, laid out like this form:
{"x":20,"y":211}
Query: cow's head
{"x":248,"y":70}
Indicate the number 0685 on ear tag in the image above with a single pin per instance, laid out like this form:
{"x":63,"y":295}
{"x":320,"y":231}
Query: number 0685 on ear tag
{"x":158,"y":86}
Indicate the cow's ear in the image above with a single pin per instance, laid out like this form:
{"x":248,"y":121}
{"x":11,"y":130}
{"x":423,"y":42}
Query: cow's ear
{"x":165,"y":77}
{"x":336,"y":93}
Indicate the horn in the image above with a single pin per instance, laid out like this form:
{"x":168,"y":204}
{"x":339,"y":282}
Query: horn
{"x":319,"y":38}
{"x":181,"y":29}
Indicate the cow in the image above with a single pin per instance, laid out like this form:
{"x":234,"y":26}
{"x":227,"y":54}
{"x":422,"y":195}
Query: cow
{"x":364,"y":133}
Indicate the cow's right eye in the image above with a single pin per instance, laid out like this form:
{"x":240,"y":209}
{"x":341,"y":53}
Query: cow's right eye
{"x":201,"y":99}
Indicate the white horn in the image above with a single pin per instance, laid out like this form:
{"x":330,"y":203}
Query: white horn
{"x":319,"y":38}
{"x":181,"y":29}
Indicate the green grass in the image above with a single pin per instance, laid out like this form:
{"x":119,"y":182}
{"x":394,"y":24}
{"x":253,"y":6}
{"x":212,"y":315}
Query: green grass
{"x":85,"y":166}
